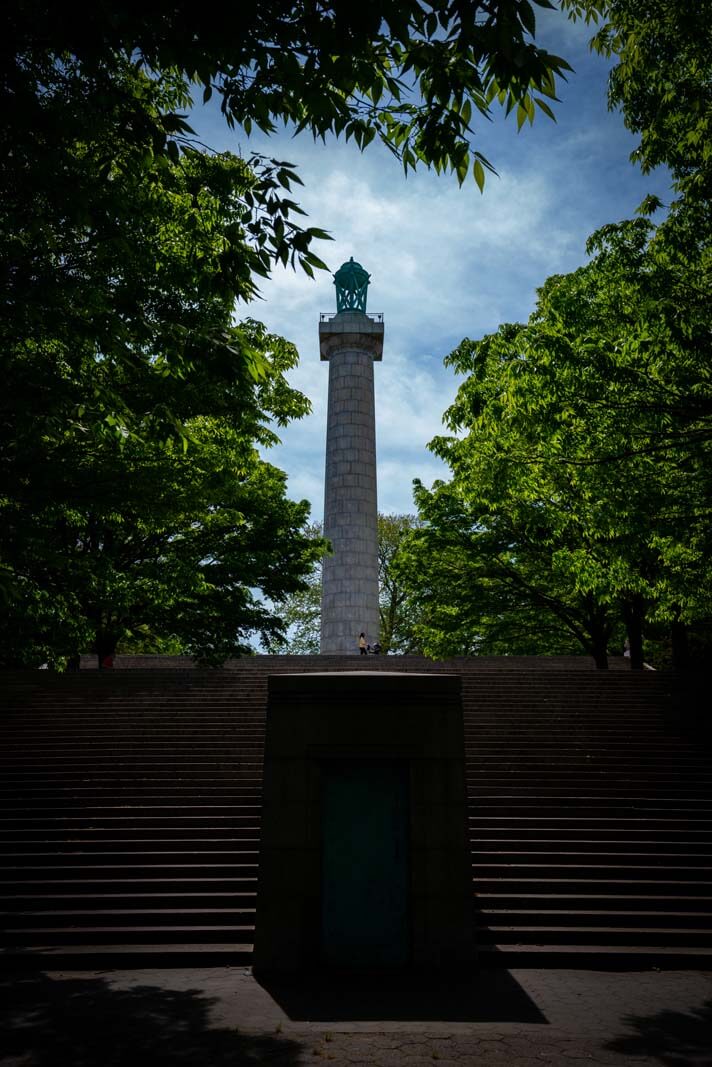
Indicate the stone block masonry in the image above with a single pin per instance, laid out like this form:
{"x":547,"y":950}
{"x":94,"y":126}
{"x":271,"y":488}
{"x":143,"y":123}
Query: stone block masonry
{"x":350,"y":342}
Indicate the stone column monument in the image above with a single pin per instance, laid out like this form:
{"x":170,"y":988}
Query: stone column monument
{"x":350,"y":341}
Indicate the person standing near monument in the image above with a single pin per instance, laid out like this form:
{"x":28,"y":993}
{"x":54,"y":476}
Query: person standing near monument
{"x":362,"y":643}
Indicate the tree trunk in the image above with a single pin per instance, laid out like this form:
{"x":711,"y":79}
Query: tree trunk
{"x":680,"y":648}
{"x":599,"y":631}
{"x":634,"y":614}
{"x":600,"y":656}
{"x":105,"y":647}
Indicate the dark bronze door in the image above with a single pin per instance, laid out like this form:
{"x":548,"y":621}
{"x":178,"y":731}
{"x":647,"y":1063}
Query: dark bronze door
{"x":365,"y":863}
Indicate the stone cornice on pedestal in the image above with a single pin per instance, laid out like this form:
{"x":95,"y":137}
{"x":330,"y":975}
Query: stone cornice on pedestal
{"x":351,"y":329}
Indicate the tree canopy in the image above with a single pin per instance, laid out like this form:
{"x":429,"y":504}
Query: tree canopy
{"x":135,"y":541}
{"x":662,"y":81}
{"x":124,"y":261}
{"x":581,"y":484}
{"x":398,"y":613}
{"x":581,"y":493}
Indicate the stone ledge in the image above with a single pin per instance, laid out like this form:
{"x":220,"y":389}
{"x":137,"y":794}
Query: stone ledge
{"x":351,"y":329}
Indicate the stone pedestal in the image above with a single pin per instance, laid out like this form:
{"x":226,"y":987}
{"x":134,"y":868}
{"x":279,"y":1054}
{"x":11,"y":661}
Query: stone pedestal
{"x":365,"y":859}
{"x":350,"y":341}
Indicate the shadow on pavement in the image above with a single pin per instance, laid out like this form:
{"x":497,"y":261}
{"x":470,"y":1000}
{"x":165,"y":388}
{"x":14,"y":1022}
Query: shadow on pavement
{"x":78,"y":1022}
{"x":490,"y":996}
{"x":675,"y":1038}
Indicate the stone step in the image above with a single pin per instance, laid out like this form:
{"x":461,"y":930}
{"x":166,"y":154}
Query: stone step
{"x":199,"y":868}
{"x":87,"y":788}
{"x":68,"y":812}
{"x":593,"y":956}
{"x":626,"y":845}
{"x":653,"y":937}
{"x":571,"y":766}
{"x":88,"y":842}
{"x":591,"y":790}
{"x":601,"y":822}
{"x":128,"y":886}
{"x":133,"y":918}
{"x":126,"y":956}
{"x":135,"y":935}
{"x":172,"y":763}
{"x":632,"y":857}
{"x":660,"y":886}
{"x":587,"y":809}
{"x":494,"y":919}
{"x":75,"y":853}
{"x":140,"y":815}
{"x":85,"y":903}
{"x":131,"y":744}
{"x":613,"y":835}
{"x":601,"y":776}
{"x":645,"y":870}
{"x":185,"y":775}
{"x":567,"y":903}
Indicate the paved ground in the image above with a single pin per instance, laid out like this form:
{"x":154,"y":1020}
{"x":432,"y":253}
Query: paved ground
{"x":223,"y":1017}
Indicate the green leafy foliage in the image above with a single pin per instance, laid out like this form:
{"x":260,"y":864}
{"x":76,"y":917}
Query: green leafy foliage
{"x":663,"y":83}
{"x":581,"y":493}
{"x":127,"y":241}
{"x":136,"y":541}
{"x":399,"y":615}
{"x":492,"y":584}
{"x":411,"y":74}
{"x":126,"y":244}
{"x":580,"y":503}
{"x":301,"y":614}
{"x":123,"y":260}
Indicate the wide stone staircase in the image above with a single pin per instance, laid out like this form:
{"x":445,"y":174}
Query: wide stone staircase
{"x":590,"y":806}
{"x":131,"y":802}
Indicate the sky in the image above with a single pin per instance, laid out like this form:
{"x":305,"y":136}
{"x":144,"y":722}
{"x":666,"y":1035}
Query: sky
{"x":446,"y":262}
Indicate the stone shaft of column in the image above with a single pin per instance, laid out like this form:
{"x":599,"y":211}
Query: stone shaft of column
{"x":350,"y":576}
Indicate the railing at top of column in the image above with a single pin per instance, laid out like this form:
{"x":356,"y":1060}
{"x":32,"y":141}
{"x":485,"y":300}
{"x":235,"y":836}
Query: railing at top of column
{"x":374,"y":316}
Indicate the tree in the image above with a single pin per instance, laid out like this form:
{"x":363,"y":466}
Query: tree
{"x":301,"y":611}
{"x":123,"y":261}
{"x":582,"y":475}
{"x":301,"y":614}
{"x":580,"y":493}
{"x":398,"y":614}
{"x":124,"y":539}
{"x":663,"y":83}
{"x":123,"y":264}
{"x":489,"y":584}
